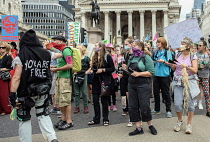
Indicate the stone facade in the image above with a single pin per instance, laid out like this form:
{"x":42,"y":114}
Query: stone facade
{"x":205,"y":21}
{"x":13,"y":7}
{"x":121,"y":18}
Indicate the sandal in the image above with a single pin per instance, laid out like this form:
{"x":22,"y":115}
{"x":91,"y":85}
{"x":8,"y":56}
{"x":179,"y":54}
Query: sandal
{"x":92,"y":122}
{"x":106,"y":123}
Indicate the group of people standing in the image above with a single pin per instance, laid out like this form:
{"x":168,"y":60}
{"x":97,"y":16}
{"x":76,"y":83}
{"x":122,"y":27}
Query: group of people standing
{"x":137,"y":70}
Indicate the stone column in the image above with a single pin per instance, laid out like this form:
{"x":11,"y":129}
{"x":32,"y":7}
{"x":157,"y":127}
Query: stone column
{"x":165,"y":18}
{"x":154,"y":30}
{"x":106,"y":25}
{"x":130,"y":25}
{"x":83,"y":20}
{"x":141,"y":24}
{"x":118,"y":28}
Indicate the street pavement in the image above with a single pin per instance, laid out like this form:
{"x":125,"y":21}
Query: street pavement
{"x":117,"y":131}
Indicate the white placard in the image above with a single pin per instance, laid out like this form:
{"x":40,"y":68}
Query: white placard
{"x":188,"y":28}
{"x":90,"y":50}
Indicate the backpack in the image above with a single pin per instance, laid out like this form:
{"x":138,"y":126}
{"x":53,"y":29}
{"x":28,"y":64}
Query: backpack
{"x":142,"y":57}
{"x":180,"y":53}
{"x":77,"y":65}
{"x":165,"y":54}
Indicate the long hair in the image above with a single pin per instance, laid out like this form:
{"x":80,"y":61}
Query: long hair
{"x":96,"y":62}
{"x":186,"y":88}
{"x":141,"y":44}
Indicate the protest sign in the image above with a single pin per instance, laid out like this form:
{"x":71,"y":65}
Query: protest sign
{"x":9,"y":28}
{"x":188,"y":28}
{"x":74,"y":32}
{"x":90,"y":50}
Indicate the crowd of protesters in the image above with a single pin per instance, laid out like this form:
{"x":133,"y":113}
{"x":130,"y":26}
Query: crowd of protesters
{"x":135,"y":70}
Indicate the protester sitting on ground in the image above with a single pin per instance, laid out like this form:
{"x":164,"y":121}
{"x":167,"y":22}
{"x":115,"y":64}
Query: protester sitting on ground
{"x":141,"y":69}
{"x":80,"y":81}
{"x":185,"y":84}
{"x":5,"y":66}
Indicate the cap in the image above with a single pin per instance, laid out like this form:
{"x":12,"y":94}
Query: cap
{"x":60,"y":37}
{"x":109,"y":45}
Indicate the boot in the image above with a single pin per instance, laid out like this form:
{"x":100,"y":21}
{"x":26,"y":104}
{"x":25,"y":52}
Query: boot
{"x":76,"y":110}
{"x":85,"y":110}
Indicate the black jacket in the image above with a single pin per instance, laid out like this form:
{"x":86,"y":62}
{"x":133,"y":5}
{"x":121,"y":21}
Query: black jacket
{"x":106,"y":76}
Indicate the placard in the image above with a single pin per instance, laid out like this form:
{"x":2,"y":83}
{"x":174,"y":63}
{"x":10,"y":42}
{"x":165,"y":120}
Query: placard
{"x":74,"y":32}
{"x":9,"y":28}
{"x":188,"y":28}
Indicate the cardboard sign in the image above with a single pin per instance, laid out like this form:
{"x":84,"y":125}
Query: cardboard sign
{"x":74,"y":32}
{"x":90,"y":50}
{"x":9,"y":28}
{"x":188,"y":28}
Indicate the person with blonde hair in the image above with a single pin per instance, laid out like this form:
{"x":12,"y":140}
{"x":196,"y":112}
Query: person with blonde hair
{"x":80,"y":81}
{"x":185,"y":84}
{"x":5,"y":66}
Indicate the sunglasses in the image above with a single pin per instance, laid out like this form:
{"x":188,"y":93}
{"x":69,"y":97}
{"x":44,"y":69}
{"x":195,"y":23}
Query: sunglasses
{"x":200,"y":45}
{"x":2,"y":47}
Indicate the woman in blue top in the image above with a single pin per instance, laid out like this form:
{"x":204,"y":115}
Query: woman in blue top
{"x":139,"y":88}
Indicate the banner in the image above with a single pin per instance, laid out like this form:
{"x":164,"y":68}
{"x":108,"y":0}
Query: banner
{"x":74,"y":32}
{"x":188,"y":28}
{"x":9,"y":28}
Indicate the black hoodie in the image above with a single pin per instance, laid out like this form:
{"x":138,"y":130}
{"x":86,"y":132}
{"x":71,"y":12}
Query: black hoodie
{"x":36,"y":63}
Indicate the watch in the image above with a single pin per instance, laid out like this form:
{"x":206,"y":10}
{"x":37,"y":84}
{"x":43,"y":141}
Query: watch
{"x":103,"y":70}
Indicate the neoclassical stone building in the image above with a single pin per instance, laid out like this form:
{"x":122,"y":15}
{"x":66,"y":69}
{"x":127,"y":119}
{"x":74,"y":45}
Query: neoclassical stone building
{"x":123,"y":18}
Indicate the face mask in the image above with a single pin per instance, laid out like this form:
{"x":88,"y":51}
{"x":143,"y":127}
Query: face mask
{"x":127,"y":48}
{"x":137,"y":52}
{"x":95,"y":49}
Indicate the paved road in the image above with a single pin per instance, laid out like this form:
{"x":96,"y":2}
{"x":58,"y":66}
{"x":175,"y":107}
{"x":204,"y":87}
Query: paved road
{"x":9,"y":128}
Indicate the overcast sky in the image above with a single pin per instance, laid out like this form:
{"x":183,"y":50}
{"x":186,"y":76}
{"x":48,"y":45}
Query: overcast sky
{"x":187,"y":5}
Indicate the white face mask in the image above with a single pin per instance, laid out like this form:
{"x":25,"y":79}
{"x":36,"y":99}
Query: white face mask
{"x":182,"y":47}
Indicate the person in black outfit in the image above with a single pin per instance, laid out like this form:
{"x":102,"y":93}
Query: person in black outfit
{"x":102,"y":67}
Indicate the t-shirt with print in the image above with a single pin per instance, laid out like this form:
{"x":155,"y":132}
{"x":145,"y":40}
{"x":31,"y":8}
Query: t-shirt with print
{"x":186,"y":61}
{"x":203,"y":59}
{"x":67,"y":54}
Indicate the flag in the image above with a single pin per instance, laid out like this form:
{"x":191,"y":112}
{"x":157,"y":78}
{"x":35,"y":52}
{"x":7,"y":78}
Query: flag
{"x":155,"y":37}
{"x":105,"y":41}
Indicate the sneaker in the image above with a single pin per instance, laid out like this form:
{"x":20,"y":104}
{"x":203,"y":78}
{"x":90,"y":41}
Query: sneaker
{"x":136,"y":131}
{"x":168,"y":114}
{"x":155,"y":112}
{"x":200,"y":106}
{"x":124,"y":113}
{"x":178,"y":125}
{"x":188,"y":129}
{"x":153,"y":130}
{"x":54,"y":140}
{"x":114,"y":108}
{"x":109,"y":108}
{"x":66,"y":126}
{"x":85,"y":110}
{"x":130,"y":124}
{"x":59,"y":123}
{"x":59,"y":115}
{"x":76,"y":110}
